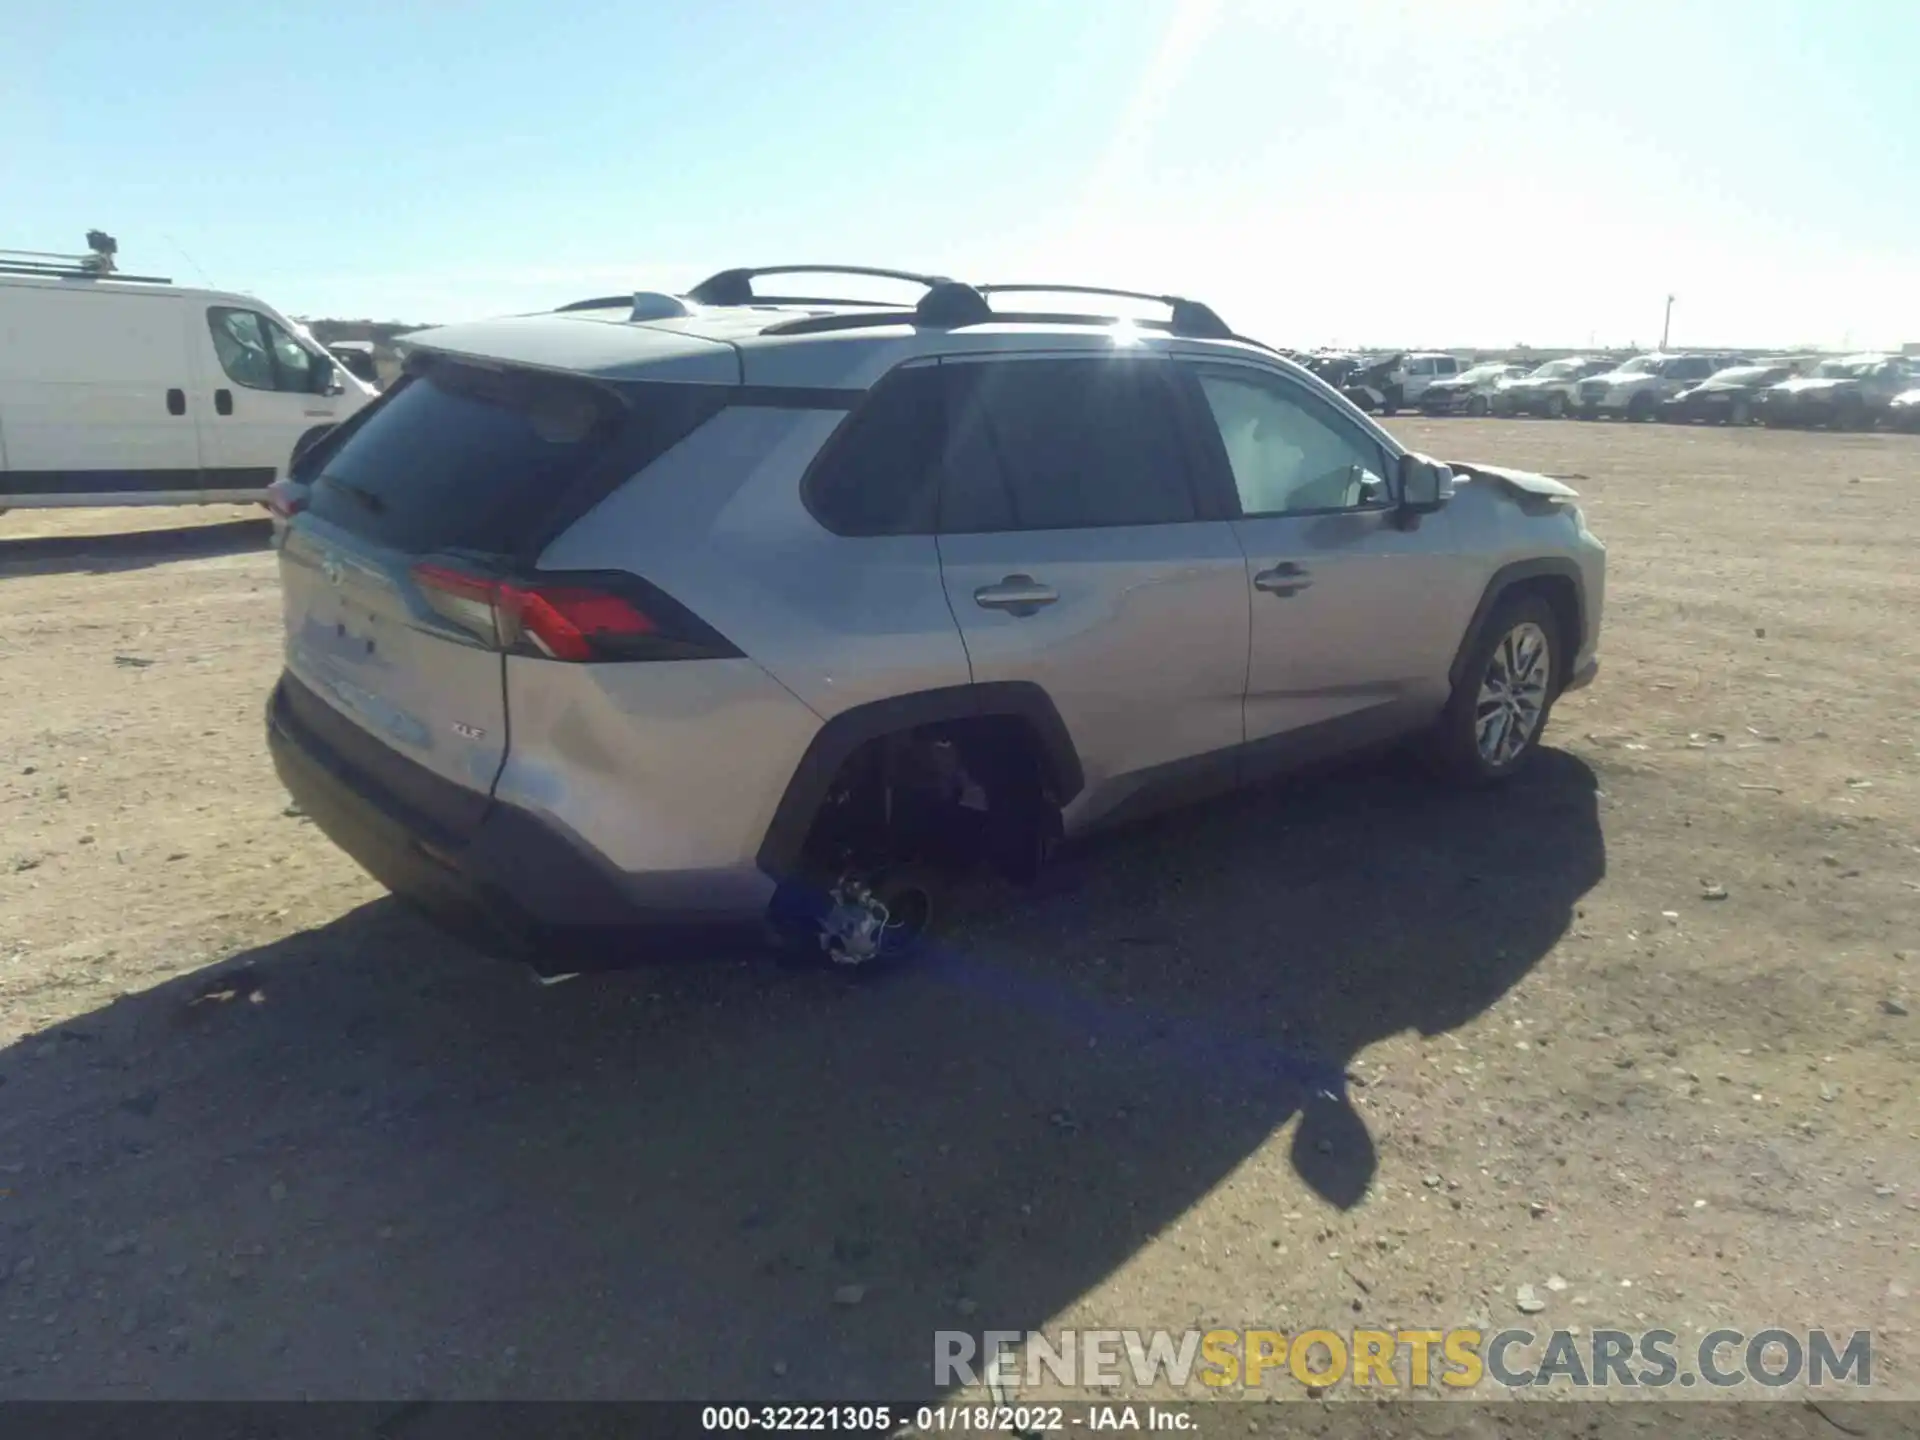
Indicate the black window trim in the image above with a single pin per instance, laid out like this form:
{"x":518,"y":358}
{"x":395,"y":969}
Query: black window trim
{"x":1168,"y":378}
{"x":1214,"y":449}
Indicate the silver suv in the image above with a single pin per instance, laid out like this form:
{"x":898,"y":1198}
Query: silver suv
{"x":672,"y":616}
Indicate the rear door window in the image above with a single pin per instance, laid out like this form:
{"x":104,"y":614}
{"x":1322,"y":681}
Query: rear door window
{"x":1062,"y":445}
{"x":464,"y":459}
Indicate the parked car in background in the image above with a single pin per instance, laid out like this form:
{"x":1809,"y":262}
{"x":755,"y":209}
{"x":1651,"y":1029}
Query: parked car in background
{"x":356,"y":357}
{"x":1638,"y":388}
{"x":1903,"y":412}
{"x":1547,"y":389}
{"x":1424,"y":368}
{"x":1377,"y":384}
{"x":701,"y":613}
{"x":1848,"y":394}
{"x":1726,"y":397}
{"x":127,"y":390}
{"x":1470,"y":392}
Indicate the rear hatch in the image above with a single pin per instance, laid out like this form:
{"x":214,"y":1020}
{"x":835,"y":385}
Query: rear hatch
{"x":407,"y":577}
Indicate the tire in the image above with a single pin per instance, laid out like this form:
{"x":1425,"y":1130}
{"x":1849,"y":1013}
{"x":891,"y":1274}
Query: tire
{"x":1640,"y":408}
{"x":1740,"y":413}
{"x":1477,"y":405}
{"x":1556,"y":406}
{"x":1391,"y":400}
{"x":1454,"y":747}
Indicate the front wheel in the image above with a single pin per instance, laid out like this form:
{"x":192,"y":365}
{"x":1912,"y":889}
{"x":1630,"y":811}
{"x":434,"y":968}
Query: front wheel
{"x":1477,"y":405}
{"x":1556,"y":407}
{"x":1499,"y":708}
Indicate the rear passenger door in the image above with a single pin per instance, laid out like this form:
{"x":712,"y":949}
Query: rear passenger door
{"x":1076,"y":555}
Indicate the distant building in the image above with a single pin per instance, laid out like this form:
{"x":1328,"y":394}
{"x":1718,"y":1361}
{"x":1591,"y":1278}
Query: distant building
{"x":1911,"y":349}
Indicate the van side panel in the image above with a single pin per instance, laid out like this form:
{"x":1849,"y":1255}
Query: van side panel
{"x":96,"y":391}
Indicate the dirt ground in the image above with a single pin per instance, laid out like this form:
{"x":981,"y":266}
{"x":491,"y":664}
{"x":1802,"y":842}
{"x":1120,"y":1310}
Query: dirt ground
{"x":263,"y":1134}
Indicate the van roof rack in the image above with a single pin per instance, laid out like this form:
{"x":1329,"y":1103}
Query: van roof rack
{"x":96,"y":264}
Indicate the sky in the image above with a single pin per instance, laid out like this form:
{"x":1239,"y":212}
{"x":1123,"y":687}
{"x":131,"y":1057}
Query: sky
{"x":1421,"y":173}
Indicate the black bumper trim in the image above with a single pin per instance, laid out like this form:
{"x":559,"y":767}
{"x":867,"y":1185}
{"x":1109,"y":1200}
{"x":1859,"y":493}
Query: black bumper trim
{"x":512,"y":887}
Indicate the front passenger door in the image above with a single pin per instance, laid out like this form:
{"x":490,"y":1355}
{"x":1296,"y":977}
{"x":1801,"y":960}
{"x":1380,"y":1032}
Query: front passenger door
{"x":1076,"y":556}
{"x":1355,"y":620}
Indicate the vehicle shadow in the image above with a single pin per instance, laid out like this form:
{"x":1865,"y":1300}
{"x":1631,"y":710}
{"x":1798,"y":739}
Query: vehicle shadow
{"x":358,"y":1163}
{"x":131,"y":549}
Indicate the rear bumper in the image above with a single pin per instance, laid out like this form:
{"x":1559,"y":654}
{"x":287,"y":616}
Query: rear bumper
{"x":513,"y":887}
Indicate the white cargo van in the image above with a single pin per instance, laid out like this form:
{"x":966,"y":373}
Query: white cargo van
{"x":117,"y":390}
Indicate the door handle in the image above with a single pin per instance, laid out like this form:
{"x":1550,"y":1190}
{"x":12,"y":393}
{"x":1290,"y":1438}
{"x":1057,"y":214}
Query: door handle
{"x":1283,"y":579}
{"x":223,"y":402}
{"x":176,"y":402}
{"x":1018,"y":595}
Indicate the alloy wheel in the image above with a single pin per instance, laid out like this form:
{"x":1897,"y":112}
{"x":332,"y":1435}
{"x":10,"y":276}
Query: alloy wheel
{"x":1513,"y":694}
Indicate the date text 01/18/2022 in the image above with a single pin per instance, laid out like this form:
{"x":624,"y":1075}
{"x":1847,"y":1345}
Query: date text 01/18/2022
{"x":939,"y":1419}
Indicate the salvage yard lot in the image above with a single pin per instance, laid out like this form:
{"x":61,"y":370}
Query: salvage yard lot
{"x":263,"y":1134}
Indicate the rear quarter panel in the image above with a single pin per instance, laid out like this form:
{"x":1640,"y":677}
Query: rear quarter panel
{"x":718,"y":523}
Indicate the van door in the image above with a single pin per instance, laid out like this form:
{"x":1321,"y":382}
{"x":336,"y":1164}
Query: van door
{"x":263,"y":390}
{"x":96,"y":386}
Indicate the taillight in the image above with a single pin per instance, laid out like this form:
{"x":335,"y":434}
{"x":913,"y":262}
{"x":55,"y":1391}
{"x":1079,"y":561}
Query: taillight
{"x":286,"y":498}
{"x":571,"y":616}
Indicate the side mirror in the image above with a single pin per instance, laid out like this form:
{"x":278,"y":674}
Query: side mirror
{"x":326,"y":377}
{"x":1425,"y":485}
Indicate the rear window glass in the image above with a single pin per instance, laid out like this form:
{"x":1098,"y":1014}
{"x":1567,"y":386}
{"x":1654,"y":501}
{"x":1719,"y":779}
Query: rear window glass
{"x":1062,"y":445}
{"x":460,"y":458}
{"x":876,"y":477}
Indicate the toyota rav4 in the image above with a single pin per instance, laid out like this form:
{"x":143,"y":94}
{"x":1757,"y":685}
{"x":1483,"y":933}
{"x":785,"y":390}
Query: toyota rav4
{"x":672,"y":616}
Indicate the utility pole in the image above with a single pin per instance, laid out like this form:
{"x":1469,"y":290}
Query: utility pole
{"x":1666,"y":324}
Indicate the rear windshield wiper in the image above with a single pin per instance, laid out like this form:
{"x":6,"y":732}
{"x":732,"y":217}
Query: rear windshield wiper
{"x":366,"y":497}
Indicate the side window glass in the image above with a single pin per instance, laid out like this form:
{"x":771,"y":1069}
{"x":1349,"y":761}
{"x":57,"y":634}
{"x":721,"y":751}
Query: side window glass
{"x":1287,"y":458}
{"x":241,"y":346}
{"x":295,"y":366}
{"x":1062,"y":445}
{"x":1447,"y":365}
{"x":1420,"y":367}
{"x":876,"y":475}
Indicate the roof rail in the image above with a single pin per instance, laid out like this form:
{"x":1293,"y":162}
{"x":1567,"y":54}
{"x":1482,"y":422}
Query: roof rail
{"x":735,"y":287}
{"x":947,"y":304}
{"x":1186,"y":317}
{"x":601,"y":302}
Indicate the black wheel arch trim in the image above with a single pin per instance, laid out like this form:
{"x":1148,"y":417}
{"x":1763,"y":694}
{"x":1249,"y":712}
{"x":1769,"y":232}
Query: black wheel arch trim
{"x":1505,"y":580}
{"x":846,"y":732}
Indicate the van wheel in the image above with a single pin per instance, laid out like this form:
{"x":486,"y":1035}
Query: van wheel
{"x":1498,"y":711}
